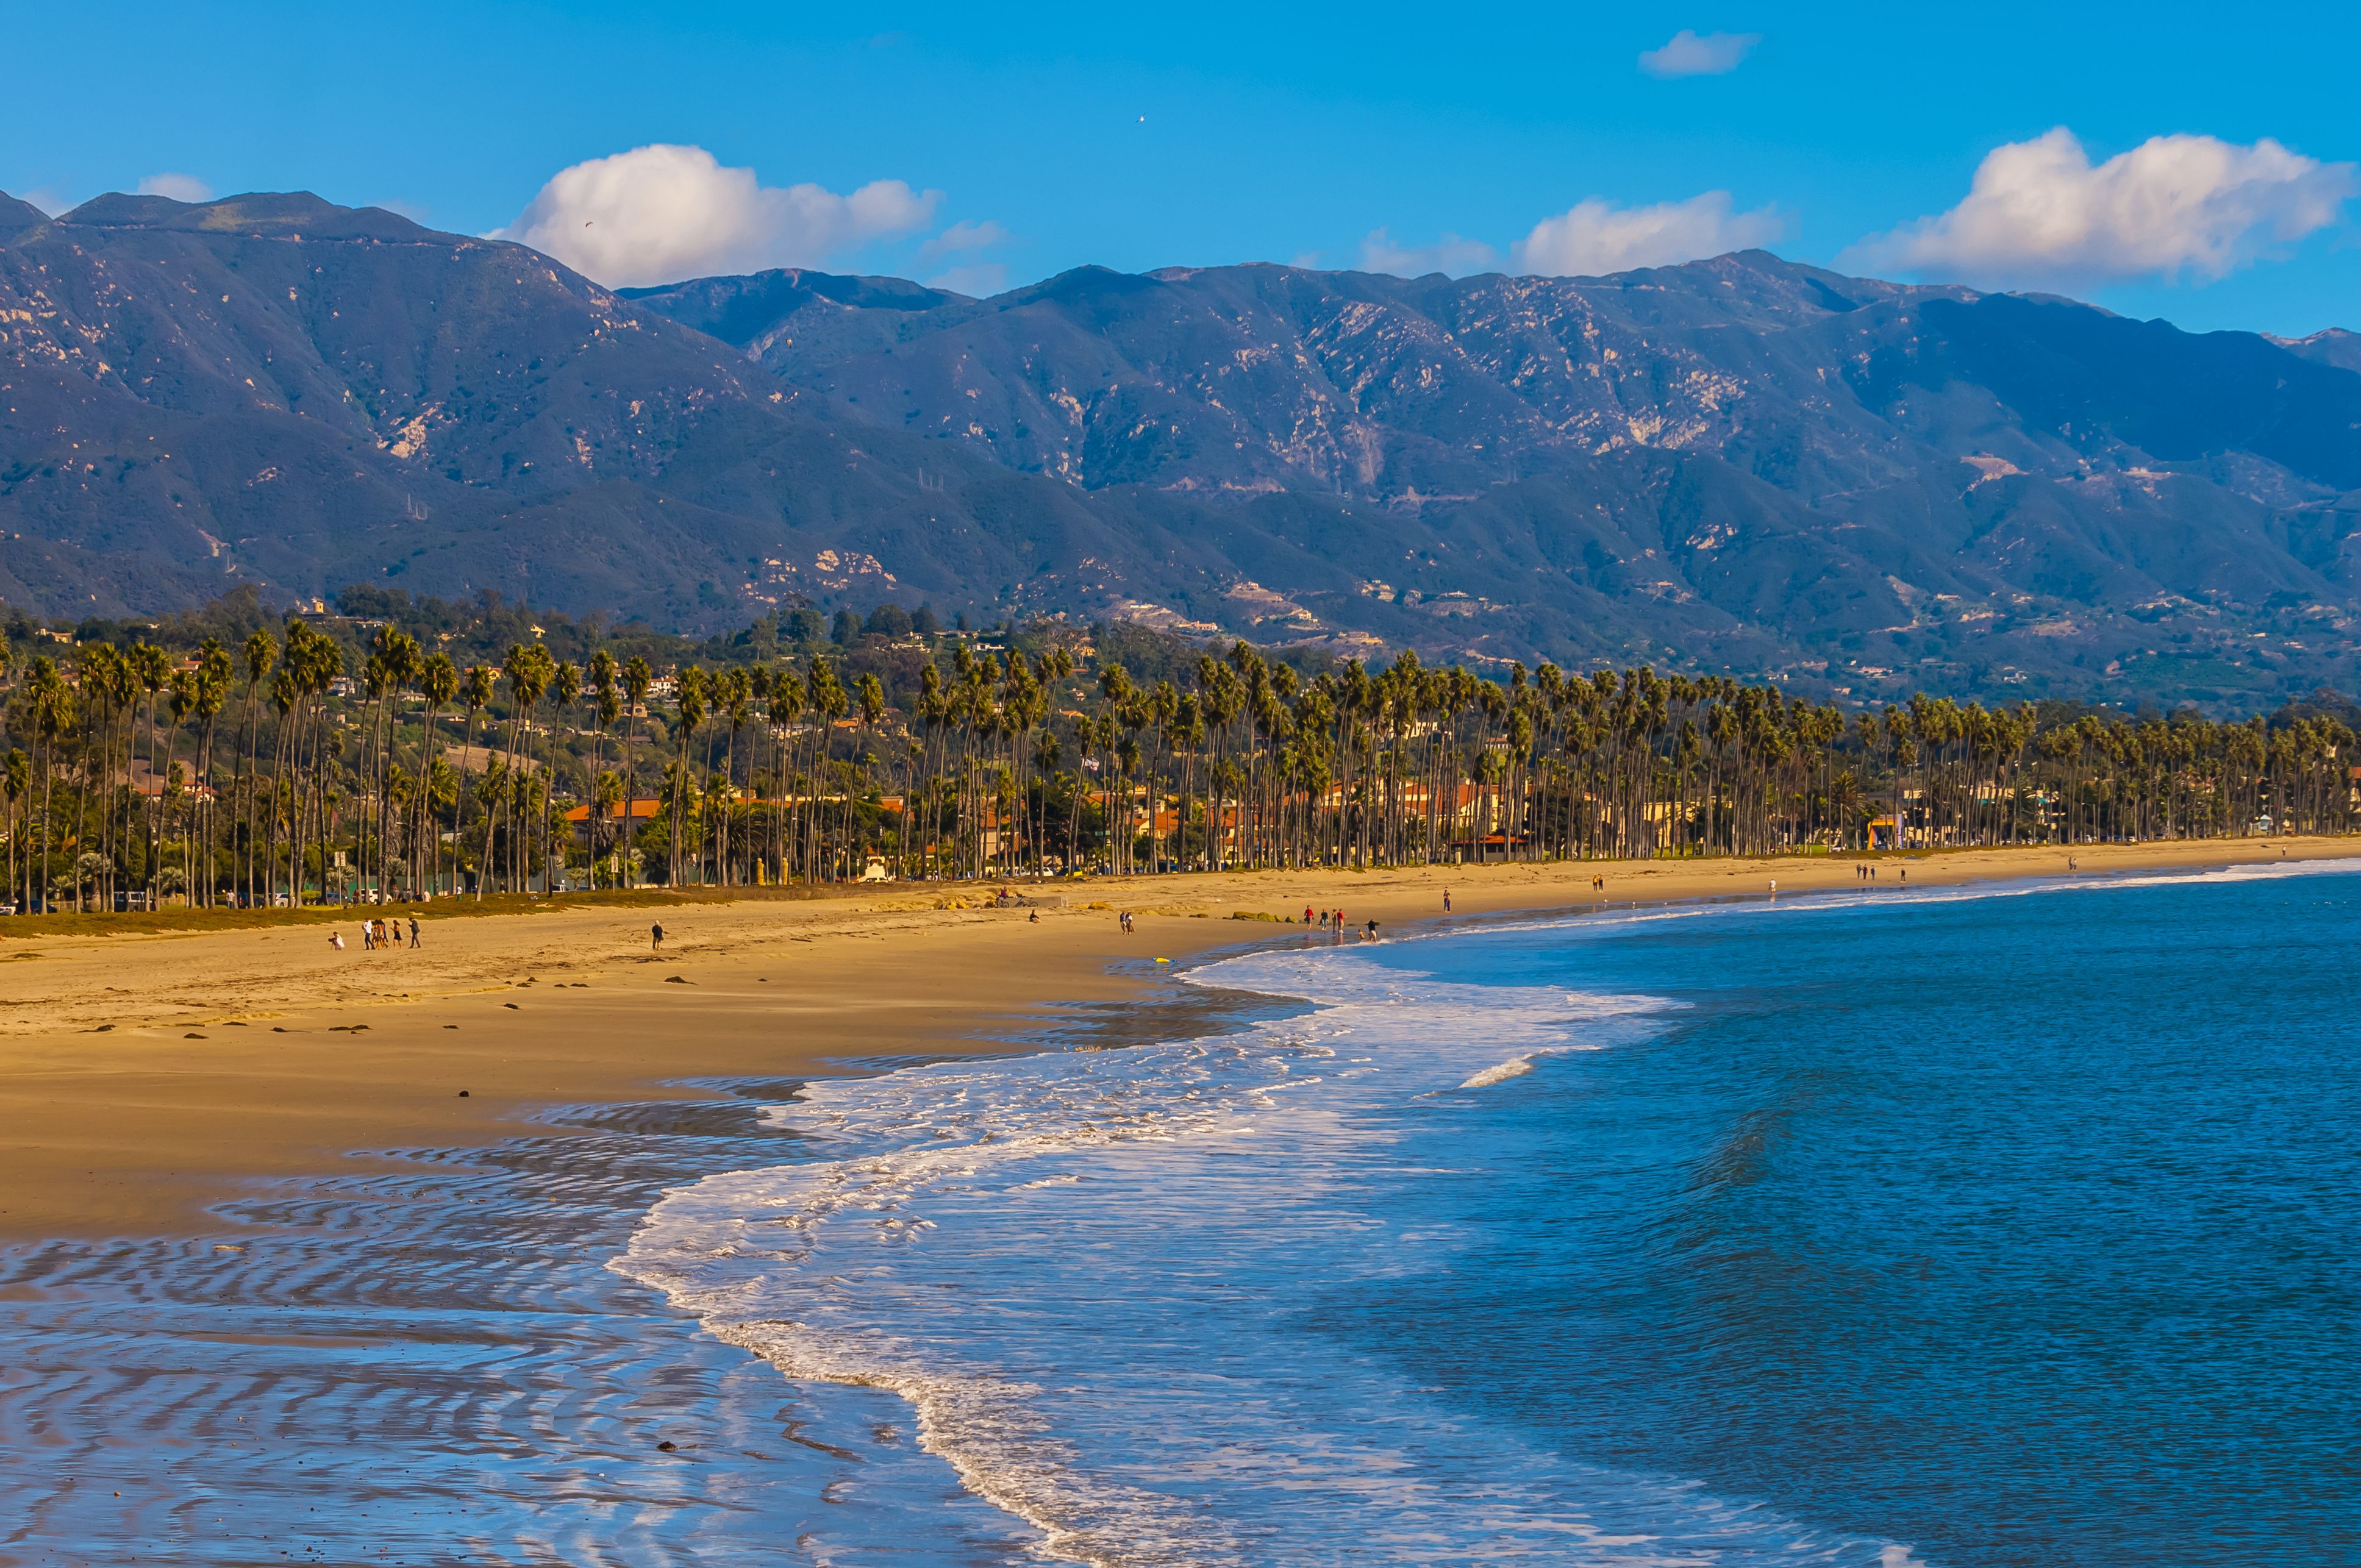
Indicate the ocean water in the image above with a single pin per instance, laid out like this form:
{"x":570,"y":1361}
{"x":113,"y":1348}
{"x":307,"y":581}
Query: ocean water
{"x":2012,"y":1225}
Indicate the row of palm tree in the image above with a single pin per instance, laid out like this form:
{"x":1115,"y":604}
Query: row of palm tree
{"x":358,"y":768}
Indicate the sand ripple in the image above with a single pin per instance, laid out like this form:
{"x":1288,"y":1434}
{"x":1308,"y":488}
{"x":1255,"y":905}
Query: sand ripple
{"x":429,"y":1364}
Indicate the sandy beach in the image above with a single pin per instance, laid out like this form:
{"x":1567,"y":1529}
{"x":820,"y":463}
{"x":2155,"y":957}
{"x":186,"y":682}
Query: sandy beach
{"x":146,"y":1077}
{"x":275,"y":1291}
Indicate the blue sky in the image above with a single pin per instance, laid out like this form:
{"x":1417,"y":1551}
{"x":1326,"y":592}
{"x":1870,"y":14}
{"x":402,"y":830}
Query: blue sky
{"x":1138,"y":136}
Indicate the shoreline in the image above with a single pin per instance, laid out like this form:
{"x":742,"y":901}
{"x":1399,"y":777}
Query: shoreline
{"x":144,"y":1078}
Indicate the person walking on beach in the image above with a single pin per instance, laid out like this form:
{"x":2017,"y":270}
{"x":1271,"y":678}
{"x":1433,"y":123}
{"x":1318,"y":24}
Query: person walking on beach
{"x":1446,"y":901}
{"x":1370,"y":933}
{"x":414,"y":931}
{"x":655,"y":937}
{"x":1307,"y":915}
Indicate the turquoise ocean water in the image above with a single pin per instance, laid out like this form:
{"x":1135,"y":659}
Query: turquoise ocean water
{"x":2011,"y":1225}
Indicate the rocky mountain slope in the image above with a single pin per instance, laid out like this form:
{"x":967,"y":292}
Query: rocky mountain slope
{"x":1878,"y":475}
{"x":1739,"y":464}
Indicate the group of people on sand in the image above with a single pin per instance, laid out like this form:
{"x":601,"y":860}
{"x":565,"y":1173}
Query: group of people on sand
{"x":1868,"y":873}
{"x":1330,"y":920}
{"x":377,"y":935}
{"x":1333,"y":921}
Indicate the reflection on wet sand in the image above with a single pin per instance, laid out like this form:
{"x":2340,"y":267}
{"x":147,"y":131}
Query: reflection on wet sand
{"x":430,"y":1365}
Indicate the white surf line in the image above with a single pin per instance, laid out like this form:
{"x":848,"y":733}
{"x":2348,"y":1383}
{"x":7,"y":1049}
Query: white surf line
{"x":1756,"y":904}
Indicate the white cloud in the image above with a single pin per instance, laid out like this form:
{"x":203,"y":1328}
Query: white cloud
{"x":961,"y":238}
{"x":2040,"y":211}
{"x":979,"y":280}
{"x":1450,"y":254}
{"x":178,"y":187}
{"x":661,"y":214}
{"x":413,"y":211}
{"x":1594,"y":239}
{"x":1686,"y":54}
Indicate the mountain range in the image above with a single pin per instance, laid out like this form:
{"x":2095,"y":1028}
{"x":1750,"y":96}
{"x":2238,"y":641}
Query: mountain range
{"x":1740,"y":465}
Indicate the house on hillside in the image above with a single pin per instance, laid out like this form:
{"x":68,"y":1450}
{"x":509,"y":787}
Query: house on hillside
{"x":624,"y":818}
{"x":474,"y":760}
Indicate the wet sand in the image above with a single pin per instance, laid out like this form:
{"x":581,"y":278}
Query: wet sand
{"x":144,"y":1078}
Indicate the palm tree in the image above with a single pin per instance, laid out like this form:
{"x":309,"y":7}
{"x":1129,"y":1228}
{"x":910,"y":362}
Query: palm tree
{"x":212,"y":692}
{"x":607,"y":796}
{"x":184,"y":704}
{"x":152,"y":668}
{"x":786,"y":706}
{"x":439,"y":683}
{"x":872,"y":712}
{"x":564,"y":686}
{"x":530,"y":671}
{"x":638,"y":679}
{"x":608,"y":711}
{"x":16,"y":784}
{"x":261,"y":652}
{"x":689,"y":695}
{"x":50,"y":712}
{"x":476,"y":692}
{"x":828,"y":704}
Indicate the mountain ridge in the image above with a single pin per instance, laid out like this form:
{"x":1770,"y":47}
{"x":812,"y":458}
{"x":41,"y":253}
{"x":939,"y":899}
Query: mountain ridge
{"x":1741,"y":463}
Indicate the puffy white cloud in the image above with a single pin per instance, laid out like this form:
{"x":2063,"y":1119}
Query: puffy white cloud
{"x":1593,"y":238}
{"x":1686,"y":54}
{"x":660,"y":214}
{"x":2041,"y":211}
{"x":961,"y":238}
{"x":178,"y":187}
{"x":978,"y":280}
{"x":1450,"y":254}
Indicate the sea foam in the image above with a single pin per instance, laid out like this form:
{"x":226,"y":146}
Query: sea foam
{"x":1104,"y":1282}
